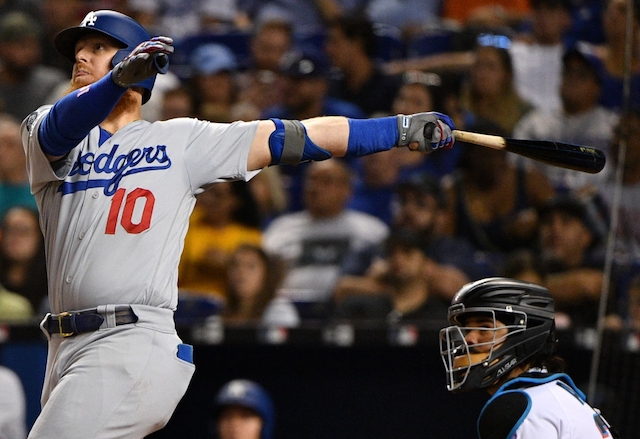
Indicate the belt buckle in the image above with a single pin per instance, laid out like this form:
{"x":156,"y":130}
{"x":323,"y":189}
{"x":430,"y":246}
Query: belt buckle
{"x":60,"y":316}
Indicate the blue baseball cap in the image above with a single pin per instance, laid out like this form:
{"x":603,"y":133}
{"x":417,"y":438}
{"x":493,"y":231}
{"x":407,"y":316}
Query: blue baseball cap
{"x":585,"y":53}
{"x":213,"y":58}
{"x":304,"y":64}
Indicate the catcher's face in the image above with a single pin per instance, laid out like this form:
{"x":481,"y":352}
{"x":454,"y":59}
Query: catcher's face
{"x":93,"y":59}
{"x":473,"y":343}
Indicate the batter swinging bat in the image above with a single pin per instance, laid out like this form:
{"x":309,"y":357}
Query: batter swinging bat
{"x":564,"y":155}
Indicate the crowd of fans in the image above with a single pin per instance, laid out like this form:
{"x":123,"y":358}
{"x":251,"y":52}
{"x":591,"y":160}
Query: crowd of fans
{"x":393,"y":236}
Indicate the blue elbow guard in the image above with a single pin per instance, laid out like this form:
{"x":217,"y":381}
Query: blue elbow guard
{"x":290,"y":145}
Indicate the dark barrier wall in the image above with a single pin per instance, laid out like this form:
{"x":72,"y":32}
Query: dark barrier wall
{"x":362,"y":384}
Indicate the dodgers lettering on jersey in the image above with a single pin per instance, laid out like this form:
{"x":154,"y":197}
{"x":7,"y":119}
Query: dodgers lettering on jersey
{"x":116,"y":167}
{"x":116,"y":209}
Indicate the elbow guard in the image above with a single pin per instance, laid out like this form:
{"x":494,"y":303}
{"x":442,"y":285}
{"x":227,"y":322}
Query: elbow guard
{"x":290,"y":145}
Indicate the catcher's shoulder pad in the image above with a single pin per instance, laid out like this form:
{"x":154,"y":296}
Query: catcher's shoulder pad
{"x":501,"y":417}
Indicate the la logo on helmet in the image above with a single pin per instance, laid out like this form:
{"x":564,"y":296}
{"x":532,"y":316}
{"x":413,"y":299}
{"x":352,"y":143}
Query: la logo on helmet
{"x":89,"y":20}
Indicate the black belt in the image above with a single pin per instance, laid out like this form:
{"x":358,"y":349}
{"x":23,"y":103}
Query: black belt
{"x":77,"y":322}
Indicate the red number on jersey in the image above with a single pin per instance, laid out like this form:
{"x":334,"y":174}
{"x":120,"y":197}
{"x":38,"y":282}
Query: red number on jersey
{"x":129,"y":207}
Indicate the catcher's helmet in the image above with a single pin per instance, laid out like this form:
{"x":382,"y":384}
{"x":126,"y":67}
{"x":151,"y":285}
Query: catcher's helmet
{"x":124,"y":29}
{"x":249,"y":394}
{"x":518,"y":321}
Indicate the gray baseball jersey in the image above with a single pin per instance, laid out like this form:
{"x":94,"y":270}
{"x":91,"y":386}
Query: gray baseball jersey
{"x":114,"y":214}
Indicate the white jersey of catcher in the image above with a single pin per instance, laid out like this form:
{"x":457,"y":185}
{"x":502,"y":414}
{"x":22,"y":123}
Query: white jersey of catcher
{"x":115,"y":210}
{"x":536,"y":405}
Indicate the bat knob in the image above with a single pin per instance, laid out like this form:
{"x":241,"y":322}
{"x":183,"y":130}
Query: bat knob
{"x":427,"y":131}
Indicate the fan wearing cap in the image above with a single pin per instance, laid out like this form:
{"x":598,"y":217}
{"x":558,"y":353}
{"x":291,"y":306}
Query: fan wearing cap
{"x":305,"y":77}
{"x":213,"y":81}
{"x":581,"y":120}
{"x":572,"y":256}
{"x":502,"y":339}
{"x":25,"y":83}
{"x":244,"y":410}
{"x":115,"y":194}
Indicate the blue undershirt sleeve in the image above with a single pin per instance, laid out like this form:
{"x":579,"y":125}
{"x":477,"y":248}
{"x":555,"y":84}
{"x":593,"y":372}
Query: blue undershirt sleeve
{"x":72,"y":117}
{"x":367,"y":136}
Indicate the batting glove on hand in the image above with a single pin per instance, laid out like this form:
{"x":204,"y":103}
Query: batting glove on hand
{"x":147,"y":59}
{"x":430,"y":130}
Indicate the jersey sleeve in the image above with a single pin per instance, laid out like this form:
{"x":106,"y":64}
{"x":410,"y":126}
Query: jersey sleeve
{"x":216,"y":151}
{"x":39,"y":169}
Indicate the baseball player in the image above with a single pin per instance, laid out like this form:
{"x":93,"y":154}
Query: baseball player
{"x":502,"y":340}
{"x":243,"y":409}
{"x":115,"y":194}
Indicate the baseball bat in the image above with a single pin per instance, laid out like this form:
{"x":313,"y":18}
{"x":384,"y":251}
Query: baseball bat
{"x":565,"y":155}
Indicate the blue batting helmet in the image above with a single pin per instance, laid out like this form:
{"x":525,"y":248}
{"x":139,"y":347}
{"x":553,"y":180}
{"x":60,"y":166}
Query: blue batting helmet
{"x":251,"y":395}
{"x":122,"y":28}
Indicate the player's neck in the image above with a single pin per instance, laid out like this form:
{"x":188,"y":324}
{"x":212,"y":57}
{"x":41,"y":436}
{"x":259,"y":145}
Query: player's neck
{"x":127,"y":110}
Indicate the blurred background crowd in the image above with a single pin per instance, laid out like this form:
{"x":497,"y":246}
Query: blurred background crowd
{"x":389,"y":237}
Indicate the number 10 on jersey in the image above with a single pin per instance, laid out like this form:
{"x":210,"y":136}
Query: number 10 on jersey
{"x":140,"y":198}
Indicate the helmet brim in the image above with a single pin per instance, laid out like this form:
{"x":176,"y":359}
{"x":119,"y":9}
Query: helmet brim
{"x":65,"y":41}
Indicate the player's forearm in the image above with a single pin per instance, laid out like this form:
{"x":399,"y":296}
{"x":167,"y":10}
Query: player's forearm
{"x":337,"y":135}
{"x":72,"y":117}
{"x":292,"y":142}
{"x":331,"y":133}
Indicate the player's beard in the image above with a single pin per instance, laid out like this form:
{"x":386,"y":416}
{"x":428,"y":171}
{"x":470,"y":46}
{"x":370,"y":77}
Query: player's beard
{"x":126,"y":103}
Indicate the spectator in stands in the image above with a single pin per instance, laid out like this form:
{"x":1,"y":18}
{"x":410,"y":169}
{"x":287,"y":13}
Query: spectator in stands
{"x":581,"y":120}
{"x":572,"y":257}
{"x":243,"y":409}
{"x":627,"y":135}
{"x":182,"y":19}
{"x":613,"y":53}
{"x":56,"y":16}
{"x":22,"y":264}
{"x":421,"y":209}
{"x":14,"y":183}
{"x":13,"y":406}
{"x":304,"y":95}
{"x":25,"y":84}
{"x":377,"y":177}
{"x":269,"y":43}
{"x":489,"y":92}
{"x":410,"y":17}
{"x":351,"y":45}
{"x":315,"y":241}
{"x":252,"y":279}
{"x":177,"y":102}
{"x":304,"y":92}
{"x":523,"y":265}
{"x":214,"y":67}
{"x":423,"y":91}
{"x":492,"y":202}
{"x":375,"y":182}
{"x":270,"y":194}
{"x":257,"y":83}
{"x":224,"y":218}
{"x":14,"y":308}
{"x":307,"y":18}
{"x":399,"y":293}
{"x":537,"y":53}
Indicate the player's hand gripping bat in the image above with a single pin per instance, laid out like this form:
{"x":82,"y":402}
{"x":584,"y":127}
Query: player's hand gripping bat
{"x":564,"y":155}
